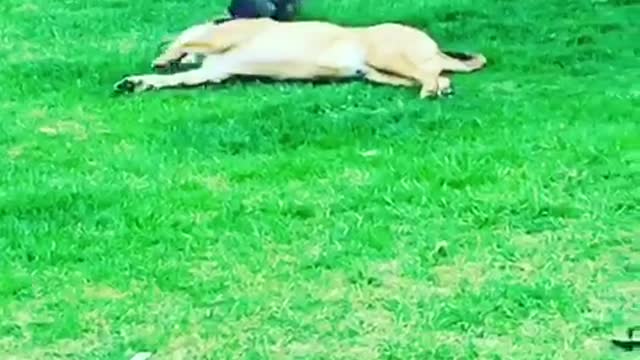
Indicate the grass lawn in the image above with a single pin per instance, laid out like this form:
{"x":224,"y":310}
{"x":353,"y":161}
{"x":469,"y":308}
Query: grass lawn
{"x":292,"y":221}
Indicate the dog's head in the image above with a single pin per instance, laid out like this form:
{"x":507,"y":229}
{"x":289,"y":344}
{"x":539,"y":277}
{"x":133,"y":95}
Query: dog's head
{"x":188,"y":47}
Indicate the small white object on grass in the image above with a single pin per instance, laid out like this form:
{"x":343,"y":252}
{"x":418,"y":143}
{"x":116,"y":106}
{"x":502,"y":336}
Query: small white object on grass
{"x":369,"y":153}
{"x":141,"y":356}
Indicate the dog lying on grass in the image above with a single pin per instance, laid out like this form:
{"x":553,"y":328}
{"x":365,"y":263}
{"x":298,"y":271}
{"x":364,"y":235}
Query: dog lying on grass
{"x":390,"y":54}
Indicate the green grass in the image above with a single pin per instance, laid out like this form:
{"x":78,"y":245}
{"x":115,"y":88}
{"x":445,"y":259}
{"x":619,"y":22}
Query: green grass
{"x":292,"y":221}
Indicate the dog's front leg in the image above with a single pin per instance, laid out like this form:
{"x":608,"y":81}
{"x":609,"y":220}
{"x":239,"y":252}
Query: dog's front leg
{"x":195,"y":77}
{"x":214,"y":69}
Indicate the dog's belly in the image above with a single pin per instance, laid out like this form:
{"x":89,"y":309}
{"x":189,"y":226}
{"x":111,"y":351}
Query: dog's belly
{"x":294,"y":70}
{"x":301,"y":55}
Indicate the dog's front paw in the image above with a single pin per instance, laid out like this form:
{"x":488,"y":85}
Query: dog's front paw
{"x":131,"y":84}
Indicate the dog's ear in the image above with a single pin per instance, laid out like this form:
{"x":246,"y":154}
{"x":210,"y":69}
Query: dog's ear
{"x":164,"y":41}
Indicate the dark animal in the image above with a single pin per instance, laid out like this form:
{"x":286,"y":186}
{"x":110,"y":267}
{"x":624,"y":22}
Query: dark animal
{"x":280,"y":10}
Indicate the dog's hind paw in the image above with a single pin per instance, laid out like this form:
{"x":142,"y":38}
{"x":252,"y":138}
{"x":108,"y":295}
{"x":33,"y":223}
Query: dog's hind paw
{"x":446,"y":92}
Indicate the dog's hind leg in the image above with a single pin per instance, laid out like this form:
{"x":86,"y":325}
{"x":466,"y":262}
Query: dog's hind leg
{"x":421,"y":70}
{"x":428,"y":76}
{"x":376,"y":76}
{"x":432,"y":83}
{"x":427,"y":69}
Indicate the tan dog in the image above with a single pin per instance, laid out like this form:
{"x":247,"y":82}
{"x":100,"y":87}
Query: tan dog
{"x":390,"y":54}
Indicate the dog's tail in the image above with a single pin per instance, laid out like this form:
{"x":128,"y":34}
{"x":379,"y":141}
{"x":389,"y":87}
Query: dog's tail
{"x":462,"y":62}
